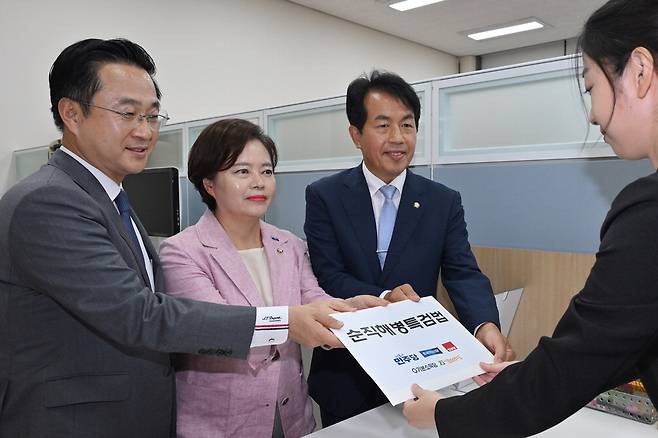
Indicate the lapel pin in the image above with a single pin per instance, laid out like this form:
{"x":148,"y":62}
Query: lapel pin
{"x":275,"y":238}
{"x":279,"y":250}
{"x":416,"y":204}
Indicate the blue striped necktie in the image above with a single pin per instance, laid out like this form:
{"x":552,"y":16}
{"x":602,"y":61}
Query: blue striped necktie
{"x":123,"y":205}
{"x":386,"y":223}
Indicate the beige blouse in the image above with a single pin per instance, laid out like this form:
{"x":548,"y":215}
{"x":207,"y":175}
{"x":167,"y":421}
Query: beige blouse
{"x":256,"y":261}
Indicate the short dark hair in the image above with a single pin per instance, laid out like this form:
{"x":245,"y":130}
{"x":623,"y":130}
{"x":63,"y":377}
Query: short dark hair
{"x":384,"y":82}
{"x":74,"y":74}
{"x":218,"y":147}
{"x":618,"y":27}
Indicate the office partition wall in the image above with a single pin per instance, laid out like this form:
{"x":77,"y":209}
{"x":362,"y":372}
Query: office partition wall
{"x":489,"y":134}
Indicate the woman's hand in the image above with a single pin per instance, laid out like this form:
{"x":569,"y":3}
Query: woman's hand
{"x":491,"y":370}
{"x":419,"y":411}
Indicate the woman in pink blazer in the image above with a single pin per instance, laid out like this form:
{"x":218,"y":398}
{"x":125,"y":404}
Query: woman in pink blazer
{"x":232,"y":257}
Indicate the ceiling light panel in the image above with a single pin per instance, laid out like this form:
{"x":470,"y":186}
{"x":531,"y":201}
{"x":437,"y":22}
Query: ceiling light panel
{"x":412,"y":4}
{"x":506,"y":30}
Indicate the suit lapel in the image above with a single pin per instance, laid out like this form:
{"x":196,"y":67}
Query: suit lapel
{"x":279,"y":253}
{"x":83,"y":178}
{"x":358,"y":209}
{"x":410,"y":210}
{"x":215,"y":239}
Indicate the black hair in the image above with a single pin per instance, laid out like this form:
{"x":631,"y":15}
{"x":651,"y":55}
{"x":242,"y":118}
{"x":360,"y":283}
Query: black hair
{"x":612,"y":32}
{"x":218,"y":147}
{"x":74,"y":74}
{"x":617,"y":28}
{"x":384,"y":82}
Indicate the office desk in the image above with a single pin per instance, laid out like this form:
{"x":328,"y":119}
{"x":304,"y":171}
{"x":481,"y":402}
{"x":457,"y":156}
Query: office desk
{"x":388,"y":421}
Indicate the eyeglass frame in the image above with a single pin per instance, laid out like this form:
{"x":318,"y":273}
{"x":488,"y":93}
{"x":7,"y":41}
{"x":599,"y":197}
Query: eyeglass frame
{"x":152,"y":120}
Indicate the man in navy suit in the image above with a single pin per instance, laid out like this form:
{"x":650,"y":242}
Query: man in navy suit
{"x":380,"y":229}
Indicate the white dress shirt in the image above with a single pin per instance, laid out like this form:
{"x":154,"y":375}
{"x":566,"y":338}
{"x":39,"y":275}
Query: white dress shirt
{"x":376,"y":196}
{"x":112,"y":189}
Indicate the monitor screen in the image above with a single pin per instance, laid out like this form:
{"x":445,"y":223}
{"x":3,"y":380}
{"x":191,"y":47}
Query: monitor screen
{"x":153,"y":195}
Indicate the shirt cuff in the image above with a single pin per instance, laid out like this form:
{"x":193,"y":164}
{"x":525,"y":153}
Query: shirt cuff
{"x":271,"y":326}
{"x":383,"y":294}
{"x":478,"y":328}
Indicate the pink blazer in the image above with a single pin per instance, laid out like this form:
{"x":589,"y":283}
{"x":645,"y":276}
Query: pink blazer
{"x":224,"y":397}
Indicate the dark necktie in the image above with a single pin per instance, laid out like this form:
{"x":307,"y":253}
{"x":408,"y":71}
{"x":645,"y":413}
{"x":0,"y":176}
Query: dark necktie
{"x":124,"y":211}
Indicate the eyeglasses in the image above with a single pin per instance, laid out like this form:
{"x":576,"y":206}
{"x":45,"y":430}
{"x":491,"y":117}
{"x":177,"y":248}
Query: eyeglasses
{"x":154,"y":121}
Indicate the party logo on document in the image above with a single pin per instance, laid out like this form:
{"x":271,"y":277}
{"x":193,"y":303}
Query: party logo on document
{"x":449,"y":346}
{"x":431,"y":352}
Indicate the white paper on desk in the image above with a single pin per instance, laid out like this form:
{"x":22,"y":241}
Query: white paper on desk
{"x":436,"y":350}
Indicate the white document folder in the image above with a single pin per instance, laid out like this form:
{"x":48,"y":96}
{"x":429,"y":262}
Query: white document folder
{"x":406,"y":342}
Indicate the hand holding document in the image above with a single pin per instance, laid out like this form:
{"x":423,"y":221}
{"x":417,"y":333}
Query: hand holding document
{"x":407,"y":342}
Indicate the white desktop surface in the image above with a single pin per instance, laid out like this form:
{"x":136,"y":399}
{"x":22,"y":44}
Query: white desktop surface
{"x":388,"y":421}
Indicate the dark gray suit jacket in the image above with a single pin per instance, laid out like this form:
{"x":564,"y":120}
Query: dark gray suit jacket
{"x":84,"y":342}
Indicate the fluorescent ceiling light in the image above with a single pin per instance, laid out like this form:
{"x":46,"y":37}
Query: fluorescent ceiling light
{"x":507,"y":30}
{"x":412,"y":4}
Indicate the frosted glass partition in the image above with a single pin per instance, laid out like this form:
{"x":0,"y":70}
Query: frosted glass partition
{"x":314,"y":136}
{"x":423,"y":140}
{"x":523,"y":113}
{"x":28,"y":161}
{"x":195,"y":128}
{"x":169,"y":149}
{"x":194,"y":131}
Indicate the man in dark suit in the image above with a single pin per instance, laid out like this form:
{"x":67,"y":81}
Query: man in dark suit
{"x":84,"y":339}
{"x":382,"y":230}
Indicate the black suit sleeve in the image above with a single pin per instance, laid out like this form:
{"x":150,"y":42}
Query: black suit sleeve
{"x":326,"y":255}
{"x":607,"y":336}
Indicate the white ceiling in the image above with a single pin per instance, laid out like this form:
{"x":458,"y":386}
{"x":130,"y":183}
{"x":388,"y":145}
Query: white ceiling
{"x":442,"y":25}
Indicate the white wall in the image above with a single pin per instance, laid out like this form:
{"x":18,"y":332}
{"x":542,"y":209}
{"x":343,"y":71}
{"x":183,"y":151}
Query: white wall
{"x":213,"y":56}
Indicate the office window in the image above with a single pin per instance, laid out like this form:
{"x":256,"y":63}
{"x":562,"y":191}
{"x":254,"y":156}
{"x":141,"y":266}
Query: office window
{"x":521,"y":113}
{"x":169,"y":150}
{"x":195,"y":128}
{"x":314,"y":135}
{"x":28,"y":161}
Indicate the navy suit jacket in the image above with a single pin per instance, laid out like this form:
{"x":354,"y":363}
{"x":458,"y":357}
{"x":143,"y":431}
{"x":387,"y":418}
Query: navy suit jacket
{"x":429,"y":239}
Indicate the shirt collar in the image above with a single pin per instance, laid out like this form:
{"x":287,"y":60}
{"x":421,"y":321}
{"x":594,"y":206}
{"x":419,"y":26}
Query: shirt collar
{"x":109,"y":185}
{"x":374,"y":183}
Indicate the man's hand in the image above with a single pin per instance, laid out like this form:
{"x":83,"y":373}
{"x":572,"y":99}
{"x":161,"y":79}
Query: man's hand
{"x":401,"y":293}
{"x":489,"y":335}
{"x":491,"y":370}
{"x":309,"y":324}
{"x":366,"y":301}
{"x":420,"y":410}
